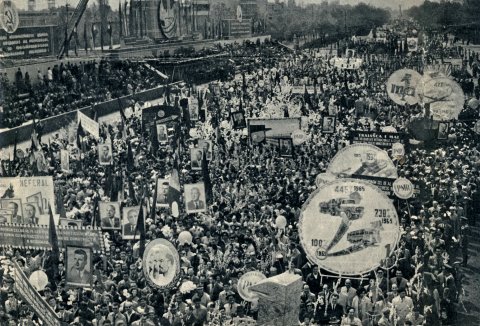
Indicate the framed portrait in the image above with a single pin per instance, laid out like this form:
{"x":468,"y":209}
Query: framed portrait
{"x":64,"y":160}
{"x":163,"y":186}
{"x":14,"y":205}
{"x":195,"y":198}
{"x":238,"y":119}
{"x":207,"y":147}
{"x":286,"y":147}
{"x":75,"y":153}
{"x":79,"y":268}
{"x":5,"y":215}
{"x":105,"y":153}
{"x":70,"y":223}
{"x":162,"y":133}
{"x":328,"y":124}
{"x":110,"y":215}
{"x":196,"y":156}
{"x":443,"y":130}
{"x":32,"y":213}
{"x":129,"y":222}
{"x":194,"y":112}
{"x":161,"y":264}
{"x":37,"y":198}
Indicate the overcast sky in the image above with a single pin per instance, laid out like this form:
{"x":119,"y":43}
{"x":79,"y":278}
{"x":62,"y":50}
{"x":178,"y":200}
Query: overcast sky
{"x":42,"y":4}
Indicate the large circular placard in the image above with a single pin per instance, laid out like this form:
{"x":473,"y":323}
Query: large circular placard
{"x":443,"y":95}
{"x":348,"y":226}
{"x":161,"y":263}
{"x":362,"y":160}
{"x":401,"y":86}
{"x":246,"y":281}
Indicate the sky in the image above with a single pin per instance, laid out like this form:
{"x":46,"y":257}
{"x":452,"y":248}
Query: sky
{"x":42,"y":4}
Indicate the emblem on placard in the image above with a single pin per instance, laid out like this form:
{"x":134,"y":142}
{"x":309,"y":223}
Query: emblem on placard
{"x":9,"y":16}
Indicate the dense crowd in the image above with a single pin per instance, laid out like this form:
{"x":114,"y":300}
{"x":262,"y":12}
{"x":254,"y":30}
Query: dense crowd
{"x":251,"y":187}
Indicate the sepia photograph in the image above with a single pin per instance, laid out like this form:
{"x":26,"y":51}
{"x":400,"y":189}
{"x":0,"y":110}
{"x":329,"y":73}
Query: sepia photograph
{"x":342,"y":162}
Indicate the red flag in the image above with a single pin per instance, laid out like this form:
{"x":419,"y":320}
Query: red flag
{"x":140,"y":228}
{"x":53,"y":238}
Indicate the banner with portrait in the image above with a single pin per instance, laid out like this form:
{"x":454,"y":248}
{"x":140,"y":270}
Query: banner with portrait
{"x":195,"y":200}
{"x":162,"y":133}
{"x":238,"y":120}
{"x":105,"y":154}
{"x":79,"y":267}
{"x":161,"y":264}
{"x":110,"y":215}
{"x":163,"y":186}
{"x":348,"y":220}
{"x":196,"y":157}
{"x":129,"y":222}
{"x":362,"y":160}
{"x":27,"y":198}
{"x":207,"y":148}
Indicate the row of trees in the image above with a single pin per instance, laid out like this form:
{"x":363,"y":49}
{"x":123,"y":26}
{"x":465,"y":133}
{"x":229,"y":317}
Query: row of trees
{"x":460,"y":19}
{"x":325,"y":18}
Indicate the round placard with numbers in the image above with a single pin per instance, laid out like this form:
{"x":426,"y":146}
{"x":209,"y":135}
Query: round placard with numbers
{"x":348,"y":227}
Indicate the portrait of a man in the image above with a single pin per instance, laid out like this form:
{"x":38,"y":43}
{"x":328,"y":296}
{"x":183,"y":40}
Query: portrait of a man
{"x":130,"y":217}
{"x":286,"y":147}
{"x":162,"y":134}
{"x":328,"y":125}
{"x":196,"y":155}
{"x":207,"y":147}
{"x":239,"y":120}
{"x":443,"y":128}
{"x":15,"y":207}
{"x":105,"y":153}
{"x":5,"y":216}
{"x":195,"y":198}
{"x":162,"y":192}
{"x":193,"y":110}
{"x":79,"y":266}
{"x":161,"y":263}
{"x":109,"y":215}
{"x":31,"y":211}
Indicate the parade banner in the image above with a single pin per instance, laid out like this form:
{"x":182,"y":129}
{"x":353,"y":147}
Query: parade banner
{"x":158,"y":112}
{"x":246,"y":281}
{"x":301,"y":89}
{"x":443,"y":96}
{"x":88,"y":124}
{"x":380,"y":139}
{"x":36,"y":237}
{"x":401,"y":86}
{"x":31,"y":196}
{"x":347,"y":63}
{"x":362,"y":160}
{"x":33,"y":298}
{"x":161,"y":264}
{"x":276,"y":128}
{"x":351,"y":221}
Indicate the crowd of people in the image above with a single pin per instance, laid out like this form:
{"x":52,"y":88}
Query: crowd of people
{"x":251,"y":186}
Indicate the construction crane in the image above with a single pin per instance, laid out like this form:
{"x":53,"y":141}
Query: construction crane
{"x":72,"y":24}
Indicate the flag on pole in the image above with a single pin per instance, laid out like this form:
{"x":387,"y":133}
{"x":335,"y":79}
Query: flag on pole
{"x":80,"y":135}
{"x":154,"y":206}
{"x":60,"y":206}
{"x":96,"y":212}
{"x":53,"y":238}
{"x":206,"y":178}
{"x":140,"y":229}
{"x":130,"y":159}
{"x":131,"y":192}
{"x":174,"y":192}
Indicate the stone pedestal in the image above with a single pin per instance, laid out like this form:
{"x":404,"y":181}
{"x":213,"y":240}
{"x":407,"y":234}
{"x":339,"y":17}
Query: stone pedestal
{"x":279,"y":300}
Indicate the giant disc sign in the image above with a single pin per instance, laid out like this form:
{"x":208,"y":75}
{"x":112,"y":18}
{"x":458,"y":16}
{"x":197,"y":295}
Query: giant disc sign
{"x":9,"y":19}
{"x":401,"y":86}
{"x":362,"y":160}
{"x":161,"y":264}
{"x":348,"y":227}
{"x":246,"y":281}
{"x":444,"y":96}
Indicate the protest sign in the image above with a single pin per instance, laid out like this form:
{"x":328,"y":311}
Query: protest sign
{"x":348,"y":220}
{"x":36,"y":237}
{"x":88,"y":124}
{"x":34,"y":299}
{"x":33,"y":194}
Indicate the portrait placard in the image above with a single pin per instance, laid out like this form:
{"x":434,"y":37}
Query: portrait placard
{"x":129,"y":225}
{"x":65,"y":160}
{"x":348,"y":220}
{"x":443,"y":130}
{"x":79,"y":268}
{"x":105,"y":153}
{"x":161,"y":264}
{"x":328,"y":124}
{"x":162,"y":133}
{"x":14,"y":205}
{"x":163,"y":186}
{"x":286,"y":147}
{"x":207,"y":147}
{"x":110,"y":215}
{"x":196,"y":156}
{"x":195,"y":198}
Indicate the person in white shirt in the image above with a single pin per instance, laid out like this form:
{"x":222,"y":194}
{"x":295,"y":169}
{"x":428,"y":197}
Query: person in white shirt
{"x":350,"y":319}
{"x":403,"y":305}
